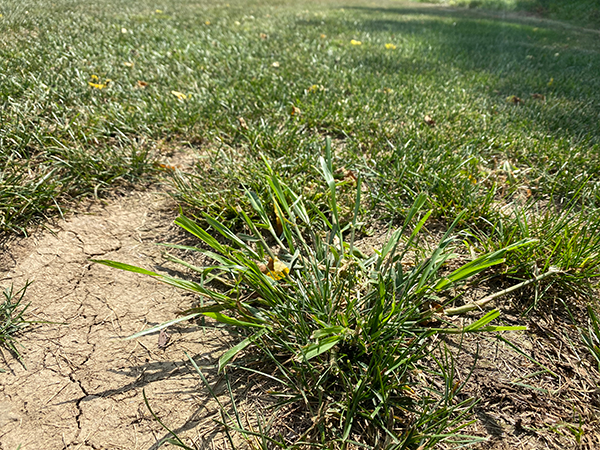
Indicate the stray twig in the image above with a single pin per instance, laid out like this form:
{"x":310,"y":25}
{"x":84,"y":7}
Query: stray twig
{"x":485,"y":300}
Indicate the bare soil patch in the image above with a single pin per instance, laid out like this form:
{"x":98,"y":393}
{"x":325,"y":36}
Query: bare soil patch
{"x":82,"y":385}
{"x":541,"y":391}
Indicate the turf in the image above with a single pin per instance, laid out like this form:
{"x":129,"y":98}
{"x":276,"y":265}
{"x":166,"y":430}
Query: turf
{"x":67,"y":129}
{"x":491,"y":116}
{"x":581,"y":13}
{"x":456,"y":68}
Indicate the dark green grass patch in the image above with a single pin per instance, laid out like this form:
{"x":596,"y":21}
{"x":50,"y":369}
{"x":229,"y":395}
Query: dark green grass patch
{"x":583,"y":13}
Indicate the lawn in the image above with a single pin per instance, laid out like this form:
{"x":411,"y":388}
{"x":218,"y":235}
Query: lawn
{"x":314,"y":124}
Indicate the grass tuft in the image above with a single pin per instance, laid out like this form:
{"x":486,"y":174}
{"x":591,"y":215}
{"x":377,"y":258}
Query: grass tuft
{"x":344,"y":333}
{"x":12,"y":321}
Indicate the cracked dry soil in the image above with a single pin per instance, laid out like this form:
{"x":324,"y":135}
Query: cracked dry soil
{"x":82,"y":385}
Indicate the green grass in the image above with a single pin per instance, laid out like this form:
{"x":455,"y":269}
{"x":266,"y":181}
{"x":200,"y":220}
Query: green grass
{"x":60,"y":135}
{"x":489,"y":119}
{"x":342,"y":334}
{"x":584,"y":13}
{"x":12,"y":320}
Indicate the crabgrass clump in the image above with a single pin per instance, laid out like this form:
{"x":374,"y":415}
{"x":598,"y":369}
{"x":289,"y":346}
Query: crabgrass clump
{"x":345,"y":334}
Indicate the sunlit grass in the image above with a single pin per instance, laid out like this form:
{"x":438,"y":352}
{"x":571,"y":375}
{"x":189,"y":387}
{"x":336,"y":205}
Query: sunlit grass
{"x":276,"y":78}
{"x":341,"y":333}
{"x":489,"y":119}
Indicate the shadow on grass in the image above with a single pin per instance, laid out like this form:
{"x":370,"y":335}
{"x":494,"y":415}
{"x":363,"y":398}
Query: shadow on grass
{"x":501,"y":56}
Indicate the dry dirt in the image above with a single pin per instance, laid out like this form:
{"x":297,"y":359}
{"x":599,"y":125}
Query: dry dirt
{"x":541,"y":391}
{"x":82,"y":385}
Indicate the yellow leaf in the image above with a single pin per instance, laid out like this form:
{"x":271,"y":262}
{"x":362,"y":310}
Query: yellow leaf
{"x":277,"y":269}
{"x":97,"y":85}
{"x":181,"y":96}
{"x":128,"y":64}
{"x":353,"y":42}
{"x":390,"y":46}
{"x":551,"y":81}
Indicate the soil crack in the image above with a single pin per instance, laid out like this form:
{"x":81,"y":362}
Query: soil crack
{"x":103,"y":375}
{"x":79,"y":400}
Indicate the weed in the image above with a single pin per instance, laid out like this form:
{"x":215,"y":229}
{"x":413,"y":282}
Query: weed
{"x":343,"y":333}
{"x":12,"y":321}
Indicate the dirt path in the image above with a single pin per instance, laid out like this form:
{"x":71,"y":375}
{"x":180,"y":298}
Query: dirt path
{"x":83,"y":385}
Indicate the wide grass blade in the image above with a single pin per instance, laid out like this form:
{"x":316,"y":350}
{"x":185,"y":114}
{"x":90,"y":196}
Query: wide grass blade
{"x":176,"y":282}
{"x":233,"y":351}
{"x":163,"y":325}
